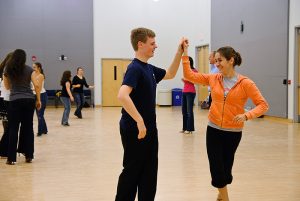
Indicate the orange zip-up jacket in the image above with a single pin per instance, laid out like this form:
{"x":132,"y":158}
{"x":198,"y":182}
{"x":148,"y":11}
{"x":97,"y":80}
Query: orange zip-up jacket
{"x":223,"y":110}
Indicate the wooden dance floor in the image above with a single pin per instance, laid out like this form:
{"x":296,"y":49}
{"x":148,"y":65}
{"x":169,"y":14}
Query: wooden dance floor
{"x":82,"y":162}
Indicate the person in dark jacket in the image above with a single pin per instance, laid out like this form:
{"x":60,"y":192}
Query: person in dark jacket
{"x":77,"y":84}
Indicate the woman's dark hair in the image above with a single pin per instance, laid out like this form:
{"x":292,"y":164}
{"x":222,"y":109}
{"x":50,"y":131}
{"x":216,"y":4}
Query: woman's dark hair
{"x":16,"y":64}
{"x":228,"y":52}
{"x":191,"y":63}
{"x":39,"y":65}
{"x":65,"y":77}
{"x":4,"y":62}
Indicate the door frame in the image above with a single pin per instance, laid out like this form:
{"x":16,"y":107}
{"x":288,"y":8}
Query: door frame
{"x":296,"y":74}
{"x":197,"y":65}
{"x":196,"y":51}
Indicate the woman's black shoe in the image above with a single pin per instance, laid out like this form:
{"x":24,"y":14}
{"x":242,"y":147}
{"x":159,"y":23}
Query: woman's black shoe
{"x":78,"y":115}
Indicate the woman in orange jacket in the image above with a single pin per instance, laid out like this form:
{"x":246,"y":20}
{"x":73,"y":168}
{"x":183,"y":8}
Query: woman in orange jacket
{"x":230,"y":92}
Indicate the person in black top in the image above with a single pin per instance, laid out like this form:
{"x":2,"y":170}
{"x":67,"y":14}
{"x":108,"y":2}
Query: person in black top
{"x":138,"y":122}
{"x":66,"y":96}
{"x":77,"y":84}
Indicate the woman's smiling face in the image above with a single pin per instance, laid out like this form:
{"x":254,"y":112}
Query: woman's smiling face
{"x":223,"y":64}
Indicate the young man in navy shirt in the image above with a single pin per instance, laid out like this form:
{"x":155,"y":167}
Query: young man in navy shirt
{"x":138,"y":122}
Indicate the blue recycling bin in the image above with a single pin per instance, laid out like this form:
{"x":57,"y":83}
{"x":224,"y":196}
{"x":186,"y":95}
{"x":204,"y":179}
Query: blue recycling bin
{"x":176,"y":96}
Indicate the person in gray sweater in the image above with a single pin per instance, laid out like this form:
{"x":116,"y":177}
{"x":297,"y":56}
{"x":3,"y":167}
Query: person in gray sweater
{"x":17,"y":78}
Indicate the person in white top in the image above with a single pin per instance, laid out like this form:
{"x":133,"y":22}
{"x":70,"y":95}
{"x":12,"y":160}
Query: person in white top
{"x":40,"y":77}
{"x":4,"y":102}
{"x":4,"y":98}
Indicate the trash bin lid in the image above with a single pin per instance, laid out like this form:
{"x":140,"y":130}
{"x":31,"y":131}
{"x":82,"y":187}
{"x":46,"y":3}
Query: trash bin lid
{"x":164,"y":90}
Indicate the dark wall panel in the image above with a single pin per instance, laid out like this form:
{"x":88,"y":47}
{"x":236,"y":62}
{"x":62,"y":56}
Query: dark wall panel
{"x":48,"y":29}
{"x":263,"y":44}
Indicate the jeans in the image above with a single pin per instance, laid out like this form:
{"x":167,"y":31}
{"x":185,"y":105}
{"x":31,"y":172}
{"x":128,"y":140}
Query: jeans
{"x":79,"y":100}
{"x":20,"y":112}
{"x":67,"y":104}
{"x":42,"y":126}
{"x":187,"y":111}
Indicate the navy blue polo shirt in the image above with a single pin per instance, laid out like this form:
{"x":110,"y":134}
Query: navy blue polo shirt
{"x":143,"y":78}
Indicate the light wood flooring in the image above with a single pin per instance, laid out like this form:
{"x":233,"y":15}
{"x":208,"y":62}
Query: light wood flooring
{"x":82,"y":162}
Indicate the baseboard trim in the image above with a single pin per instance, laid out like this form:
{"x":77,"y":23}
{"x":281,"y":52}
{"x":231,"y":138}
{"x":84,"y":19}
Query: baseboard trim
{"x":278,"y":119}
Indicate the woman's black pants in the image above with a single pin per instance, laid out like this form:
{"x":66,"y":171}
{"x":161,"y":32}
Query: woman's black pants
{"x":221,"y":147}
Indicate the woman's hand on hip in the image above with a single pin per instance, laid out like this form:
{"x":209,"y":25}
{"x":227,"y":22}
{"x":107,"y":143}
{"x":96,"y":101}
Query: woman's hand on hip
{"x":240,"y":118}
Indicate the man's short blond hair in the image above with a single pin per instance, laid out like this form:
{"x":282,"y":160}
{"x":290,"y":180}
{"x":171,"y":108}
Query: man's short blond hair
{"x":140,"y":34}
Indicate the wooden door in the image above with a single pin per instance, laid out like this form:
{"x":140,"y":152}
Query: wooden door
{"x":113,"y":71}
{"x":203,"y":67}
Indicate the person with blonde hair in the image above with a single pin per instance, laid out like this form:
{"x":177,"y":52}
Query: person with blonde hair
{"x":230,"y":92}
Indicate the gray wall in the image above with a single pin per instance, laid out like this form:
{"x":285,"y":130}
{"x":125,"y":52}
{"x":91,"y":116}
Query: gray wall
{"x":263,"y":45}
{"x":47,"y":29}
